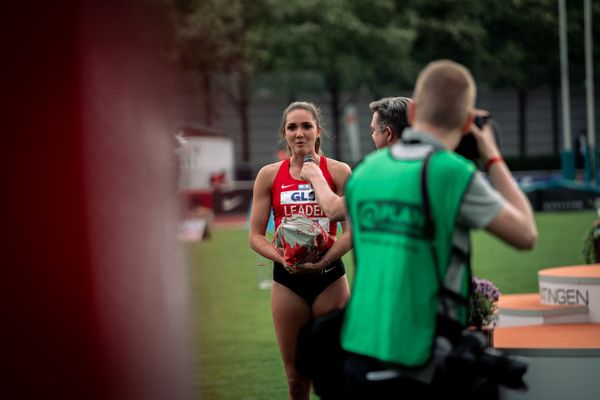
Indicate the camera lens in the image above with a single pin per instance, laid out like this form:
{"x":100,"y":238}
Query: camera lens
{"x":481,"y":120}
{"x":467,"y":147}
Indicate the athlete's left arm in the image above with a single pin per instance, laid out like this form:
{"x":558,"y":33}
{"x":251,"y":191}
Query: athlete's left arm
{"x":340,"y":172}
{"x":331,"y":203}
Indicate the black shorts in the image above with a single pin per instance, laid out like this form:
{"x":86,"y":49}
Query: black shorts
{"x":309,"y":286}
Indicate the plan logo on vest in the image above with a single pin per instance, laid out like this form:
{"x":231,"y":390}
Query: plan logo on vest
{"x":391,"y":216}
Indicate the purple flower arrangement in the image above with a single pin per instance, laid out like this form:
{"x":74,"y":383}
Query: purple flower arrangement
{"x":482,"y":302}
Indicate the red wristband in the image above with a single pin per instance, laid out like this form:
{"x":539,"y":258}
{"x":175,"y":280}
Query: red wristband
{"x":492,"y":161}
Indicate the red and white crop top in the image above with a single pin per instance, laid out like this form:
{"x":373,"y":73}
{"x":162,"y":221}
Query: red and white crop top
{"x":290,"y":196}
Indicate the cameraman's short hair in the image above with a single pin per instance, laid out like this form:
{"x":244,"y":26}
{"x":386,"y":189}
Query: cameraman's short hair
{"x":445,"y":92}
{"x":392,"y":113}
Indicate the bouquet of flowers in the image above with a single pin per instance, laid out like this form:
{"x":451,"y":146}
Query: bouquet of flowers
{"x":301,"y":239}
{"x":482,"y":302}
{"x":591,"y":244}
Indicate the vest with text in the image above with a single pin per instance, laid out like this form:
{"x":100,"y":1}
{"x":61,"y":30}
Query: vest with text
{"x":392,"y":312}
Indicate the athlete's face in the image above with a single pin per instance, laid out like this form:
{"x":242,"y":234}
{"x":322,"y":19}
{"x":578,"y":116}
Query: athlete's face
{"x":301,"y":131}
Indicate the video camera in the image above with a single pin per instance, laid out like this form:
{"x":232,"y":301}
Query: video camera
{"x":467,"y":147}
{"x":473,"y":361}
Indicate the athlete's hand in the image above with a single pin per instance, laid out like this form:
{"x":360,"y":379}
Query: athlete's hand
{"x":291,"y":269}
{"x":307,"y":268}
{"x":279,"y":252}
{"x":310,"y":171}
{"x":312,"y":267}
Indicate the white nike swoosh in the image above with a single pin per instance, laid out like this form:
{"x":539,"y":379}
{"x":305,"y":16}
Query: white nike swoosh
{"x":326,"y":270}
{"x":287,"y":186}
{"x":230,"y":204}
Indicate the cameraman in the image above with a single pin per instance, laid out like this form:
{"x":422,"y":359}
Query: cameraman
{"x":389,"y":330}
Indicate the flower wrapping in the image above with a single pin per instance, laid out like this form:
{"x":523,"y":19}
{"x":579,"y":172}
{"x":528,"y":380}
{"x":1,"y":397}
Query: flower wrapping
{"x":301,"y":239}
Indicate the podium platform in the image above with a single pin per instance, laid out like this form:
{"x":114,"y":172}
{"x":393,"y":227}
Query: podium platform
{"x":557,"y":332}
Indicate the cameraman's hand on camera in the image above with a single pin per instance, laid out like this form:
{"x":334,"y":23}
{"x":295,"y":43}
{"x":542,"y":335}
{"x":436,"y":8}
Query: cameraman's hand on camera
{"x":486,"y":141}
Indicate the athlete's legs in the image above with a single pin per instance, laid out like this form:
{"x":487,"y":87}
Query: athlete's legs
{"x":334,"y":296}
{"x":290,"y":313}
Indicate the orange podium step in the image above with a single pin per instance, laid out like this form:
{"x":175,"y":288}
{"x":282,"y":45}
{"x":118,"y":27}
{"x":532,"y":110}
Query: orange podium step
{"x":563,"y":360}
{"x":549,"y":337}
{"x":556,"y":332}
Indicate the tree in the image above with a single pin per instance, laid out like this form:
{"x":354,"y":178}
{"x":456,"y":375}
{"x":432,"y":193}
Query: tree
{"x":449,"y":29}
{"x":351,"y":44}
{"x":194,"y":29}
{"x":523,"y":53}
{"x":348,"y":46}
{"x":221,"y":39}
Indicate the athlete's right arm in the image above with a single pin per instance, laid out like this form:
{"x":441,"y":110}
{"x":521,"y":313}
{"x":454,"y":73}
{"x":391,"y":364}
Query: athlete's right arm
{"x":332,"y":205}
{"x":259,"y":216}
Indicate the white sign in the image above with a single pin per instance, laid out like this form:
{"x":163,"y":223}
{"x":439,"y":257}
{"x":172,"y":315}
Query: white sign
{"x":202,"y":157}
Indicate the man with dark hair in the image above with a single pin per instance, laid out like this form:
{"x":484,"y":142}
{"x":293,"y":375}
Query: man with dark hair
{"x":388,"y":122}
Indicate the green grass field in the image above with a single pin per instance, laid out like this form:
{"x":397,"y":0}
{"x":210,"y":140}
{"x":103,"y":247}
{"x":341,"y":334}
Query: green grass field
{"x":236,"y":352}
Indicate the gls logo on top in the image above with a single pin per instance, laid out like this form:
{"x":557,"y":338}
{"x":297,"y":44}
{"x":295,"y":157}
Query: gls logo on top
{"x":298,"y":197}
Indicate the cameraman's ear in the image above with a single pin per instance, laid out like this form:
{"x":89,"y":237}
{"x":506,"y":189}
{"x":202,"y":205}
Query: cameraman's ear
{"x":410,"y":112}
{"x":468,"y":122}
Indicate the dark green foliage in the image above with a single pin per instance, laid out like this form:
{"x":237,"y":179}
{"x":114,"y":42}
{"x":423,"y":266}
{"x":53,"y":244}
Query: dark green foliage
{"x":591,"y":245}
{"x":343,"y":47}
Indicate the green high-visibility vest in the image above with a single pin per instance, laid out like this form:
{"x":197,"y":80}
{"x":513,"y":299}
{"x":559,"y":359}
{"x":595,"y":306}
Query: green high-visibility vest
{"x":392,"y":311}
